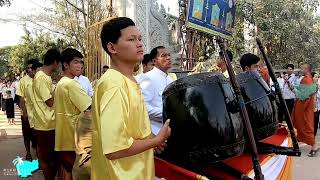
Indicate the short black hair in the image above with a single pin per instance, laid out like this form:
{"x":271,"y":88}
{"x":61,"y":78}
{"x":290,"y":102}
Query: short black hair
{"x":51,"y":56}
{"x":229,"y":53}
{"x":32,"y":61}
{"x":146,"y":59}
{"x":111,"y":31}
{"x":36,"y":65}
{"x":105,"y":67}
{"x":290,"y":66}
{"x":68,"y":55}
{"x":248,"y":60}
{"x":154,"y":52}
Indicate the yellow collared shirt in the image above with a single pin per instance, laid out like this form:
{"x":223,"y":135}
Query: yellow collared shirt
{"x":21,"y":90}
{"x":70,"y":100}
{"x":29,"y":99}
{"x":43,"y":115}
{"x":119,"y":117}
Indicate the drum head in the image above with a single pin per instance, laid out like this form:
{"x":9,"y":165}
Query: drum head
{"x":203,"y":129}
{"x":261,"y":109}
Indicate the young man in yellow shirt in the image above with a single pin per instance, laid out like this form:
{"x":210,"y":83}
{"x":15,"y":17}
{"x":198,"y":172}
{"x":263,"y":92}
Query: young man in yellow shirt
{"x":122,"y":143}
{"x":26,"y":106}
{"x":44,"y":122}
{"x":70,"y":101}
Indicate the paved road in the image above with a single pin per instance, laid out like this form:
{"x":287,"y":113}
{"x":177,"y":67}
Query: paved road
{"x":11,"y":146}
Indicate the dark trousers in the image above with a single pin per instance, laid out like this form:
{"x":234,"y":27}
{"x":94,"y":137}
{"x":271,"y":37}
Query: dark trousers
{"x":281,"y":111}
{"x":10,"y":108}
{"x":316,"y":122}
{"x":48,"y":158}
{"x":28,"y":133}
{"x":290,"y":104}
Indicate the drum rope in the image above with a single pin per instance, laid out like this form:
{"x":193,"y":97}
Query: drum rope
{"x":258,"y":98}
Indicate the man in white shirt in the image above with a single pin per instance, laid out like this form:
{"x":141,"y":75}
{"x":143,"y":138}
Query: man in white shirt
{"x":85,"y":82}
{"x":288,"y":89}
{"x":154,"y":84}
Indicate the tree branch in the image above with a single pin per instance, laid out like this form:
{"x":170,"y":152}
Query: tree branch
{"x":71,"y":4}
{"x":45,"y":27}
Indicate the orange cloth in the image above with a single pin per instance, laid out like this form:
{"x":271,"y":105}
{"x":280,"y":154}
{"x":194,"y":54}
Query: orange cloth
{"x":242,"y":164}
{"x":286,"y":173}
{"x":265,"y":74}
{"x":303,"y":116}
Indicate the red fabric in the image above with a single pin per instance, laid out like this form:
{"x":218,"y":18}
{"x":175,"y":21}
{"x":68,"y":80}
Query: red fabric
{"x":170,"y":171}
{"x":265,"y":74}
{"x":276,"y":139}
{"x":241,"y":163}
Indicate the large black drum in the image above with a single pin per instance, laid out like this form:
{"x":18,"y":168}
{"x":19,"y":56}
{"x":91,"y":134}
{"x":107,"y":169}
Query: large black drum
{"x":205,"y":124}
{"x":260,"y":104}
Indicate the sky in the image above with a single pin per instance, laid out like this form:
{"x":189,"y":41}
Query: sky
{"x":11,"y":32}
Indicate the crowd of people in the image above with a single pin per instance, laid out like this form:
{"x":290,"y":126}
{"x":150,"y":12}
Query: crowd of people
{"x":109,"y":128}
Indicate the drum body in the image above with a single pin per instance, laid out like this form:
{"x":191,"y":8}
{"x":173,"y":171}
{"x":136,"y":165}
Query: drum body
{"x":261,"y":106}
{"x":203,"y":127}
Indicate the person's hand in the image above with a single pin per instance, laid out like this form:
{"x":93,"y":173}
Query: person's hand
{"x":160,"y":148}
{"x":163,"y":134}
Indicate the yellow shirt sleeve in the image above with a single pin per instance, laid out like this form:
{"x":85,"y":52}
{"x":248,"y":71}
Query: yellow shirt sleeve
{"x":43,"y":90}
{"x":20,"y":89}
{"x":114,"y":115}
{"x":79,"y":97}
{"x":173,"y":76}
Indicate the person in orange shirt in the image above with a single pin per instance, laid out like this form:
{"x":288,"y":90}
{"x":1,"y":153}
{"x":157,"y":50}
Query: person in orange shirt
{"x":303,"y":111}
{"x":263,"y":70}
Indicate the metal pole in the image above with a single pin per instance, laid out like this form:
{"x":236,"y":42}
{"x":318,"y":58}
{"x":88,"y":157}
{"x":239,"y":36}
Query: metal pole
{"x":244,"y":114}
{"x":281,"y":99}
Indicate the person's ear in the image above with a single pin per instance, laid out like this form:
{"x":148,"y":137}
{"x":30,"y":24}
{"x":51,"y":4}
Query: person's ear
{"x":65,"y":65}
{"x":111,"y":48}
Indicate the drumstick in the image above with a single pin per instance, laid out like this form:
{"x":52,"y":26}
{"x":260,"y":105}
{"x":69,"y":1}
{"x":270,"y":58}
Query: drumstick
{"x":243,"y":112}
{"x":281,"y":99}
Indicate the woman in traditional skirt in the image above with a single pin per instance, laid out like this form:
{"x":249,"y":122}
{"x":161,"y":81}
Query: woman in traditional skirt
{"x":10,"y":103}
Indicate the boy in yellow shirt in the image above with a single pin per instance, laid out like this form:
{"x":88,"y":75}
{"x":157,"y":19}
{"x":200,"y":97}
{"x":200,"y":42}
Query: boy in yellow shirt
{"x":70,"y":101}
{"x":43,"y":114}
{"x":26,"y":106}
{"x":122,"y":143}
